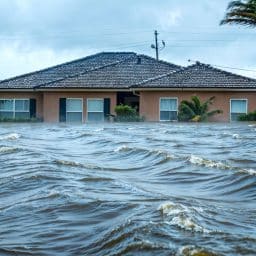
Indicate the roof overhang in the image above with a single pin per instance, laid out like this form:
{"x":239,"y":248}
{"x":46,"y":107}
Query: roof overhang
{"x":17,"y":90}
{"x":197,"y":89}
{"x":82,"y":90}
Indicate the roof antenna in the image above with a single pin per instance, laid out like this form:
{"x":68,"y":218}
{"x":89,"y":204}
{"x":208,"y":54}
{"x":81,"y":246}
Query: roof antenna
{"x":156,"y":46}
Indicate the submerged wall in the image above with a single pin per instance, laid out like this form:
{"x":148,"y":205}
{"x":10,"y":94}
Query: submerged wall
{"x":51,"y":102}
{"x":38,"y":96}
{"x":149,"y":102}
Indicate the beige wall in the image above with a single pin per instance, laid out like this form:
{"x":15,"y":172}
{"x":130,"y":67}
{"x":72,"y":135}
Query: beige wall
{"x":26,"y":95}
{"x":149,"y":102}
{"x":51,"y":102}
{"x":48,"y":102}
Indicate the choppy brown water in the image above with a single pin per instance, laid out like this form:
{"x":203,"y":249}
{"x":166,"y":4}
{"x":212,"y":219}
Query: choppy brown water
{"x":128,"y":189}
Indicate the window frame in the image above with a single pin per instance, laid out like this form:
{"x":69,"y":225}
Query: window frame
{"x":230,"y":107}
{"x":14,"y":105}
{"x":177,"y":109}
{"x":87,"y":112}
{"x":75,"y":111}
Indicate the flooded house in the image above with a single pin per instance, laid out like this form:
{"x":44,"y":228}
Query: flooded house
{"x":88,"y":89}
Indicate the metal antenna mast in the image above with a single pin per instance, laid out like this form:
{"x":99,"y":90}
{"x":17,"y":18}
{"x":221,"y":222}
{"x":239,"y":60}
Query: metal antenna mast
{"x":155,"y":46}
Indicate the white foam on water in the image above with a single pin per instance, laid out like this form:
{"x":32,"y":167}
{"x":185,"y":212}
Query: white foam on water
{"x":77,"y":164}
{"x":7,"y":150}
{"x":236,"y":136}
{"x":191,"y":250}
{"x":166,"y":154}
{"x":170,"y":208}
{"x":69,"y":163}
{"x":188,"y":224}
{"x":129,"y":187}
{"x":213,"y":164}
{"x":208,"y":163}
{"x":181,"y":216}
{"x":249,"y":171}
{"x":11,"y":136}
{"x":252,"y":125}
{"x":122,"y":148}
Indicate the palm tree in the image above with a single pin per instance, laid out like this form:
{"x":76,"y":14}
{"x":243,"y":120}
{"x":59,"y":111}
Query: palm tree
{"x":241,"y":12}
{"x":195,"y":110}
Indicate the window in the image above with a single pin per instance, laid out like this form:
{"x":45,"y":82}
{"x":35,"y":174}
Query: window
{"x":237,"y":108}
{"x":14,"y":108}
{"x":74,"y":110}
{"x":22,"y":109}
{"x":168,"y":109}
{"x":95,"y":110}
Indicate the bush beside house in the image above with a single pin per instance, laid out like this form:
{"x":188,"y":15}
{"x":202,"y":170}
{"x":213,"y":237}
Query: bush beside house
{"x":125,"y":113}
{"x":196,"y":110}
{"x":248,"y":117}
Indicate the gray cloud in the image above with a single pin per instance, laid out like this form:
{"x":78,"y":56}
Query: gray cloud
{"x":35,"y":34}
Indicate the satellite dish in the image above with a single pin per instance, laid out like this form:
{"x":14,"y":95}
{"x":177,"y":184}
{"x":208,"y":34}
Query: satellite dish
{"x":153,"y":46}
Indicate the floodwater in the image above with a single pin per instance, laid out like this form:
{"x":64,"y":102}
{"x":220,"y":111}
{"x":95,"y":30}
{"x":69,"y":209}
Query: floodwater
{"x":128,"y":189}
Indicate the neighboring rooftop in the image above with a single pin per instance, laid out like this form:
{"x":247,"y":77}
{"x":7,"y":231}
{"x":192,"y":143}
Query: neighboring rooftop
{"x":199,"y":75}
{"x":104,"y":64}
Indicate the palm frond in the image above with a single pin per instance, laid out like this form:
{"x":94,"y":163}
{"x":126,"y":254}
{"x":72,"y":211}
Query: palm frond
{"x":190,"y":104}
{"x":197,"y":104}
{"x":214,"y":112}
{"x":241,"y":12}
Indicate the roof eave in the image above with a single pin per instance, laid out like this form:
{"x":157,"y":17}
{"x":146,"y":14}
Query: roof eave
{"x":17,"y":90}
{"x":79,"y":89}
{"x":223,"y":89}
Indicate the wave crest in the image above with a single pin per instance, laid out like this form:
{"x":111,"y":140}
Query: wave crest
{"x":214,"y":164}
{"x":182,"y":216}
{"x":6,"y":150}
{"x":194,"y":251}
{"x":208,"y":163}
{"x":11,"y":136}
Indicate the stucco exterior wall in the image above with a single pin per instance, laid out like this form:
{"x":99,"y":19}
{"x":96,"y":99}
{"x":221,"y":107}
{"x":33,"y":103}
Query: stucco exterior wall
{"x":26,"y":95}
{"x":149,"y":102}
{"x":51,"y":102}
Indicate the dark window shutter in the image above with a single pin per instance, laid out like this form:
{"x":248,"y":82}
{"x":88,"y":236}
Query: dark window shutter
{"x":62,"y":110}
{"x":32,"y":108}
{"x":106,"y":107}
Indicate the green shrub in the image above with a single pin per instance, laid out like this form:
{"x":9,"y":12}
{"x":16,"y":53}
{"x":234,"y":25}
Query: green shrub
{"x":125,"y":113}
{"x":196,"y":110}
{"x":248,"y":117}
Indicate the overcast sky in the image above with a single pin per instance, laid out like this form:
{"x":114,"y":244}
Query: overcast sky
{"x":35,"y":34}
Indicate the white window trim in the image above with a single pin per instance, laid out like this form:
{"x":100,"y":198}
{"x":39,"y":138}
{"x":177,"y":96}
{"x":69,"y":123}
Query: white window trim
{"x":87,"y":101}
{"x":230,"y":104}
{"x":75,"y":111}
{"x":13,"y":106}
{"x":168,"y":98}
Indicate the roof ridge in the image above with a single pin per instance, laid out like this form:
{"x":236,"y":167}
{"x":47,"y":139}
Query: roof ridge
{"x":162,"y":61}
{"x":62,"y":64}
{"x":84,"y":72}
{"x":223,"y":71}
{"x":158,"y":77}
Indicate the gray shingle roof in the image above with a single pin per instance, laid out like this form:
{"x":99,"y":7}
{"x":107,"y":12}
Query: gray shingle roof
{"x":121,"y":74}
{"x":199,"y":75}
{"x":37,"y":78}
{"x":123,"y":70}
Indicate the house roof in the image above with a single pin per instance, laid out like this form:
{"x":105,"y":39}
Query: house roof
{"x":199,"y":75}
{"x":121,"y":74}
{"x":102,"y":69}
{"x":124,"y":70}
